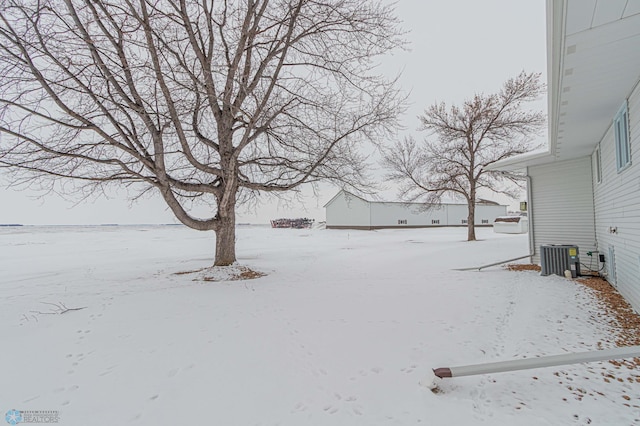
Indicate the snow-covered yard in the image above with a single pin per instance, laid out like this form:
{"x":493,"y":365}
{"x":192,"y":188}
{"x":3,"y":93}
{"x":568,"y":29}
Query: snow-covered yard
{"x":339,"y":332}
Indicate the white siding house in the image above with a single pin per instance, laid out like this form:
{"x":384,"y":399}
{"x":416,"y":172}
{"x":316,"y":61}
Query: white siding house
{"x":562,"y":205}
{"x":617,"y":208}
{"x":348,"y":211}
{"x":585,"y":189}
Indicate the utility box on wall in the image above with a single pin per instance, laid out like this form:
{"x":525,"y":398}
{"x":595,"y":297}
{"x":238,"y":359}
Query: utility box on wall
{"x":558,"y":258}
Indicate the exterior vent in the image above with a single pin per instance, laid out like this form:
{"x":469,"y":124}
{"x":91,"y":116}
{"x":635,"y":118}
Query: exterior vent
{"x":556,"y":259}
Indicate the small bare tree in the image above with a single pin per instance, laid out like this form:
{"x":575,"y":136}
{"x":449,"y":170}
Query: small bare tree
{"x":467,"y":139}
{"x":213,"y":101}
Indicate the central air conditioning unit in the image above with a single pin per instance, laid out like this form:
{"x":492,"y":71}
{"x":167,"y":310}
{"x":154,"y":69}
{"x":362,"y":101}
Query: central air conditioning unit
{"x":558,"y":258}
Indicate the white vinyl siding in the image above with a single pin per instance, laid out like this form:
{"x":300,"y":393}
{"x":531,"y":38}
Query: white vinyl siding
{"x":562,"y":205}
{"x":621,"y":132}
{"x":386,"y":214}
{"x":383,"y":214}
{"x":346,"y":210}
{"x":617,"y":205}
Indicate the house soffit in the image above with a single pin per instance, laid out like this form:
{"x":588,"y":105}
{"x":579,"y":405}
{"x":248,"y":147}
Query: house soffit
{"x":599,"y":66}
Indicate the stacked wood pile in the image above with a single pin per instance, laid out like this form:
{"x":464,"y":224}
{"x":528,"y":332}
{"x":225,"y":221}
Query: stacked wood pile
{"x":299,"y":223}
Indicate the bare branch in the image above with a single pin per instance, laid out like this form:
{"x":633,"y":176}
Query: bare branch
{"x":58,"y":309}
{"x":210,"y":101}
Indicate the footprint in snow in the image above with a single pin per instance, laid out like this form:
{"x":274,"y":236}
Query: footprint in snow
{"x":331,"y":409}
{"x":409,"y":369}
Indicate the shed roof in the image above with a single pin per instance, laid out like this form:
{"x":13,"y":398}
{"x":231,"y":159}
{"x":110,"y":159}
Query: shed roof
{"x":480,"y":201}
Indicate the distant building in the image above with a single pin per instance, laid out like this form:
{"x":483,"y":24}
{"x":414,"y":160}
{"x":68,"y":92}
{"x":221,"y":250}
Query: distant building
{"x":511,"y":225}
{"x":348,"y":211}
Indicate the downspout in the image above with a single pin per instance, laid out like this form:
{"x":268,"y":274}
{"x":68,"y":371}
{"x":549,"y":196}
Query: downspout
{"x":594,"y":184}
{"x":532,"y":243}
{"x":527,"y":363}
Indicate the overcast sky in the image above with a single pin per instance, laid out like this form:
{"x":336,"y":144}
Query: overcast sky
{"x":457,"y":49}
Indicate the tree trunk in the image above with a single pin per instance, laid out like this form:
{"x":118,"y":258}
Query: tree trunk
{"x":226,"y":237}
{"x":471,"y":221}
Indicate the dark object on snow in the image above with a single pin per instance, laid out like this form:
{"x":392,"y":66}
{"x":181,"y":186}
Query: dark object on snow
{"x":300,"y":223}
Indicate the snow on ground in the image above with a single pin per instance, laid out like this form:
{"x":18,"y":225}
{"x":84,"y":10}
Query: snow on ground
{"x":339,"y":332}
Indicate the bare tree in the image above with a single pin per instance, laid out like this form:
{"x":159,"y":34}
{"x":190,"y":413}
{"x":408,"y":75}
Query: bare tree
{"x":213,"y":101}
{"x":467,"y":139}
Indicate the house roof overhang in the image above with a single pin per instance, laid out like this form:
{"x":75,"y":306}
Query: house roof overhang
{"x":593,"y":64}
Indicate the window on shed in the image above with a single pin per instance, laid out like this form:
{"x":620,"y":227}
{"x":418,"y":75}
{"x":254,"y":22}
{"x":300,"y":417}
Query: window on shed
{"x":402,"y":221}
{"x":597,"y":164}
{"x":435,"y":221}
{"x":485,"y":221}
{"x":465,"y":221}
{"x":621,"y":131}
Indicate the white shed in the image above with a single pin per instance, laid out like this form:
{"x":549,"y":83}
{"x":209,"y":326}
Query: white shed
{"x":348,"y":211}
